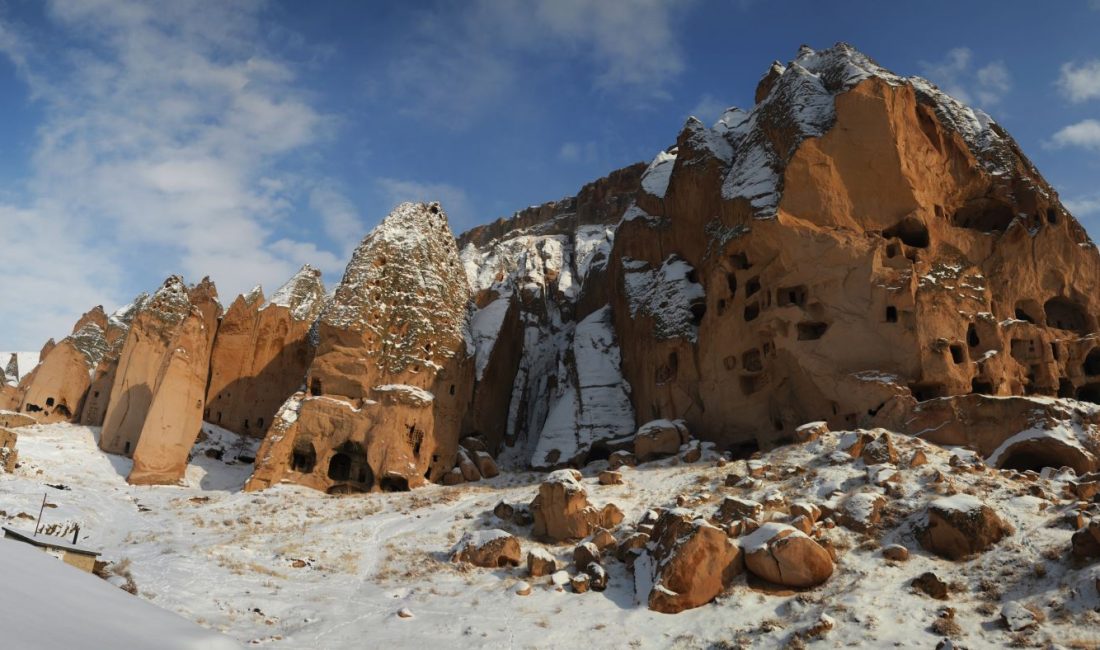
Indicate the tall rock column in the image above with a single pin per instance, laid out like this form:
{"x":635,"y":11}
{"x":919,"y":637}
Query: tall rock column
{"x":156,"y":405}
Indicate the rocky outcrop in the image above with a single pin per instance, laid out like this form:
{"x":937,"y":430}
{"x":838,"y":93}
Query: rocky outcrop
{"x":785,"y":556}
{"x":8,"y":454}
{"x":98,"y":396}
{"x":56,"y":389}
{"x":689,"y":564}
{"x":392,"y":374}
{"x":487,"y":548}
{"x":562,"y":511}
{"x":659,"y":438}
{"x":960,"y":526}
{"x":156,"y":405}
{"x":262,"y":352}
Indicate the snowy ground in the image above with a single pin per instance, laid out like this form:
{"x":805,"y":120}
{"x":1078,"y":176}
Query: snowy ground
{"x":295,"y":568}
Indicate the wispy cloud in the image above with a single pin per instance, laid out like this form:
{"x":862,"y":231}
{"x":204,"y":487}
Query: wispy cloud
{"x":1083,"y":205}
{"x":708,"y":109}
{"x":454,"y":200}
{"x":1084,"y":134}
{"x":463,"y":61}
{"x":578,"y":152}
{"x":1080,"y":82}
{"x":957,"y":74}
{"x":164,"y":127}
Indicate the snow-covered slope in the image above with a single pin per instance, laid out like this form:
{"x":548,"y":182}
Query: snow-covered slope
{"x":294,"y":568}
{"x":48,"y":605}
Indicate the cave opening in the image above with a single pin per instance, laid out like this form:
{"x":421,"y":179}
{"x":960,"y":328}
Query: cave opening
{"x":911,"y":231}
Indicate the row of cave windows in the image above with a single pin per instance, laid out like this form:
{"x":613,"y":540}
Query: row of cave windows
{"x":347,"y":466}
{"x":316,"y":389}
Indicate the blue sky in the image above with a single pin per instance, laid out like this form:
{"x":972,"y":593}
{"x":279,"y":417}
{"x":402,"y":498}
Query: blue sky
{"x":242,"y":139}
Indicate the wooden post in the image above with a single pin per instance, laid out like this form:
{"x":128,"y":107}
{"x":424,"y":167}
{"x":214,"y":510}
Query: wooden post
{"x":42,"y":509}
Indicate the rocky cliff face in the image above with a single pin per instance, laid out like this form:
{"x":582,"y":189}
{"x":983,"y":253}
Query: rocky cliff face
{"x":857,"y":248}
{"x":393,"y":370}
{"x":262,"y":352}
{"x":768,"y":274}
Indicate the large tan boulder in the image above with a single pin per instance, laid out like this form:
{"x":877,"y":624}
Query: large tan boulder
{"x":961,"y":525}
{"x":659,"y":438}
{"x":487,"y":548}
{"x":688,"y":565}
{"x":1085,"y":543}
{"x":785,"y":556}
{"x":392,"y":373}
{"x":262,"y":352}
{"x":562,"y":511}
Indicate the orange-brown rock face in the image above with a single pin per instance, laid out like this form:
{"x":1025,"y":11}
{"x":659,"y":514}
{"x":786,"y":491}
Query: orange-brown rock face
{"x":857,"y":241}
{"x":56,"y":389}
{"x":393,"y":372}
{"x":262,"y":352}
{"x":156,"y":404}
{"x":103,"y":378}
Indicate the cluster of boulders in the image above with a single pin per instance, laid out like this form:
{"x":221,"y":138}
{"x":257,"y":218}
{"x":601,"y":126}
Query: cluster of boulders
{"x":686,"y":555}
{"x":472,"y":463}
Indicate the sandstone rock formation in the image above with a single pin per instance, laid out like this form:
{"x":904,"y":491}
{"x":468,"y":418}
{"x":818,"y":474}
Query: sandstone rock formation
{"x":55,"y":390}
{"x":262,"y":352}
{"x":562,"y":511}
{"x":784,"y":556}
{"x":392,"y":374}
{"x":103,"y":377}
{"x":765,"y":254}
{"x":156,"y":405}
{"x":689,"y":565}
{"x":960,"y":526}
{"x":8,"y":454}
{"x":488,"y":548}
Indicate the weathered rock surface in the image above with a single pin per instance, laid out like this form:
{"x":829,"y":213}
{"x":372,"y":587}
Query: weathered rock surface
{"x":785,"y":556}
{"x":262,"y":352}
{"x":155,"y":411}
{"x":960,"y":526}
{"x":392,"y":374}
{"x":689,"y":565}
{"x":488,"y":548}
{"x":8,"y":454}
{"x":55,"y":390}
{"x":562,"y":511}
{"x":659,"y":438}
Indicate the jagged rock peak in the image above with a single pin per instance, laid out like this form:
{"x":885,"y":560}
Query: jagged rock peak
{"x":123,"y":316}
{"x":406,"y":286}
{"x":303,"y":294}
{"x":171,"y":303}
{"x":797,"y":101}
{"x":254,"y":297}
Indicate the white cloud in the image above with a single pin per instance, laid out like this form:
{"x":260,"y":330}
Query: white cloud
{"x":1080,"y":82}
{"x":338,"y":215}
{"x":1083,"y":205}
{"x":1084,"y":134}
{"x":956,"y":75}
{"x":453,"y":199}
{"x":163,"y":127}
{"x":578,"y":152}
{"x":463,"y":62}
{"x":708,"y":109}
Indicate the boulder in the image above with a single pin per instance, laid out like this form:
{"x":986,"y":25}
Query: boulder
{"x":580,"y":583}
{"x":486,"y":466}
{"x":1085,"y":543}
{"x":659,"y":438}
{"x":785,"y":556}
{"x":895,"y":553}
{"x":597,"y":576}
{"x":610,"y":477}
{"x":811,"y":431}
{"x":585,"y":554}
{"x":487,"y":548}
{"x":621,"y":458}
{"x":861,"y":512}
{"x":562,"y":511}
{"x":732,"y":508}
{"x":689,"y":563}
{"x":930,"y":584}
{"x":540,"y":563}
{"x":961,"y":525}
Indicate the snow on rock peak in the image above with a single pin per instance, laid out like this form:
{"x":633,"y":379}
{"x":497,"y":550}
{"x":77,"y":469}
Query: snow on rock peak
{"x":303,"y":294}
{"x":405,"y":285}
